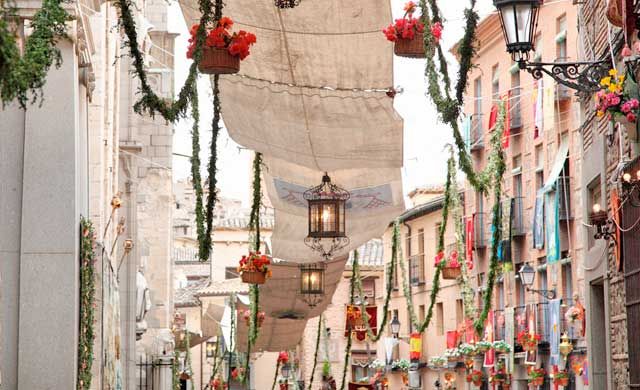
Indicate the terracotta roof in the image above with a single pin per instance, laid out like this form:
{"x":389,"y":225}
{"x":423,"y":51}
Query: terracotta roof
{"x":185,"y":296}
{"x":242,"y":222}
{"x":370,"y":253}
{"x":223,"y":287}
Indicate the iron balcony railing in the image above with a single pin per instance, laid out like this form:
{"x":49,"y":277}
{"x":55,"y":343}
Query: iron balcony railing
{"x":480,"y":230}
{"x":477,"y":133}
{"x":518,"y":218}
{"x":515,"y":110}
{"x":564,"y":208}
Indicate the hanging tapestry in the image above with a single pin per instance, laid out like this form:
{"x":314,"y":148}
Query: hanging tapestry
{"x":552,"y":224}
{"x":509,"y":334}
{"x":490,"y":355}
{"x":553,"y":331}
{"x":355,"y":321}
{"x":537,"y":108}
{"x":538,"y":222}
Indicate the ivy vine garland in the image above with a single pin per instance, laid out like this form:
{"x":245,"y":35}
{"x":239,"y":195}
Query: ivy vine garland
{"x":27,"y":73}
{"x":87,"y":303}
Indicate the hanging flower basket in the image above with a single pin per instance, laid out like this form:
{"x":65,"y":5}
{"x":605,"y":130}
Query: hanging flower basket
{"x":536,"y":376}
{"x":253,"y":269}
{"x":410,"y":48}
{"x":218,"y":61}
{"x":484,"y":346}
{"x":528,"y":341}
{"x":450,"y":267}
{"x":407,"y":34}
{"x":451,"y":273}
{"x":222,"y":50}
{"x":561,"y":378}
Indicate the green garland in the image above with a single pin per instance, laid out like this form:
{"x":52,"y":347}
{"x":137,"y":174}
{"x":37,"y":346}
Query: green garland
{"x":315,"y":355}
{"x":389,"y":287}
{"x":87,"y":303}
{"x":347,"y":349}
{"x":22,"y":74}
{"x":175,"y":383}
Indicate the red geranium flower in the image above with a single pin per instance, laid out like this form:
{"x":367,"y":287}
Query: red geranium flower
{"x":283,"y":357}
{"x":436,"y":31}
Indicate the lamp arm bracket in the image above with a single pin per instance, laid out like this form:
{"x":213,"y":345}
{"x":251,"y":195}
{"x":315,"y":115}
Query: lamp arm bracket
{"x":581,"y":76}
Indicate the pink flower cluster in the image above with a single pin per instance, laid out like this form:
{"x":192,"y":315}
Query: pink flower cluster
{"x":436,"y":32}
{"x":451,"y":262}
{"x":613,"y":102}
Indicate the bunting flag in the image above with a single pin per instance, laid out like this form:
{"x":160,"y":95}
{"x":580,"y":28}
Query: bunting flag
{"x":552,"y":224}
{"x":415,"y":346}
{"x":554,"y":331}
{"x":489,"y":356}
{"x":469,"y":241}
{"x":537,"y":108}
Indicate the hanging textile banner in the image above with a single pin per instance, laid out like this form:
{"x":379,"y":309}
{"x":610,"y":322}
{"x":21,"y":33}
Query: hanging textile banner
{"x":355,"y":321}
{"x":509,"y":334}
{"x":493,"y":117}
{"x":554,"y":331}
{"x":507,"y":120}
{"x":452,"y":338}
{"x":538,"y":222}
{"x":470,"y":332}
{"x":548,"y":105}
{"x":552,"y":224}
{"x":489,"y":356}
{"x":111,"y":313}
{"x":415,"y":346}
{"x":537,"y":108}
{"x":532,"y":355}
{"x":389,"y":345}
{"x":617,"y":244}
{"x":469,"y":239}
{"x":466,"y":132}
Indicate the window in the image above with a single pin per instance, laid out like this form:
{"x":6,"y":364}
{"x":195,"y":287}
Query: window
{"x":495,"y":82}
{"x":543,"y":283}
{"x":561,"y":38}
{"x":416,"y":269}
{"x":408,"y":246}
{"x":177,"y":205}
{"x":500,"y":292}
{"x":521,"y":297}
{"x":459,"y":311}
{"x":185,"y":230}
{"x":594,"y":197}
{"x":369,"y":289}
{"x":516,"y":118}
{"x":439,"y":319}
{"x":421,"y":241}
{"x":477,"y":94}
{"x":567,"y":285}
{"x":395,"y":277}
{"x":517,"y":176}
{"x":231,"y":273}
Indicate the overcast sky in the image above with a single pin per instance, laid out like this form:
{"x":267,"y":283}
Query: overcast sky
{"x":424,"y":140}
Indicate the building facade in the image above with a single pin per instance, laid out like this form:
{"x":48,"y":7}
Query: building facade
{"x":542,"y":187}
{"x":609,"y":151}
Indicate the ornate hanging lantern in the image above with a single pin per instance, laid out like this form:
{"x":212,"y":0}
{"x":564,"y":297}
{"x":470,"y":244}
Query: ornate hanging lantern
{"x":326,"y":204}
{"x":565,"y":346}
{"x":282,"y":4}
{"x":312,"y":283}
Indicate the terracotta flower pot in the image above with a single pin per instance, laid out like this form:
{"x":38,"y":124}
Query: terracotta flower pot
{"x":218,"y":61}
{"x":562,"y":382}
{"x":405,"y":378}
{"x":539,"y":381}
{"x":410,"y":48}
{"x":253,"y":277}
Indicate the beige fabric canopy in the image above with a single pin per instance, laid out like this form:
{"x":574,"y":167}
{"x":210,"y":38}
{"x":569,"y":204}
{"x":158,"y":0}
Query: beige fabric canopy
{"x":376,"y":198}
{"x":313,"y":90}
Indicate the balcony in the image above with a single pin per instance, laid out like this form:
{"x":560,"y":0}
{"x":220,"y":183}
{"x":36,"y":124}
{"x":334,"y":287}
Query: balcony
{"x":518,"y":219}
{"x":480,"y":230}
{"x":499,"y":329}
{"x":476,"y":135}
{"x":564,"y":208}
{"x":416,"y":270}
{"x":515,"y":111}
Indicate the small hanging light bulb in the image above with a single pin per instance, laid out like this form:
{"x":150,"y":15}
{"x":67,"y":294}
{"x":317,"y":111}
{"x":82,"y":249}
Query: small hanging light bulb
{"x":596,"y":208}
{"x":626,"y":177}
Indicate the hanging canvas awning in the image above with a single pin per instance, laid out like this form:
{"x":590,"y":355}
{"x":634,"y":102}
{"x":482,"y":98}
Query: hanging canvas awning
{"x":376,"y":198}
{"x":274,"y":335}
{"x":314,"y":89}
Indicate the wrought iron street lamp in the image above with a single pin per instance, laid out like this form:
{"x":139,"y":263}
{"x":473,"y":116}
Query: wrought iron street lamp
{"x":285,"y":370}
{"x":519,"y":20}
{"x":326,"y":203}
{"x":527,"y":275}
{"x":395,"y":327}
{"x":600,"y":220}
{"x":312,"y":283}
{"x":630,"y":188}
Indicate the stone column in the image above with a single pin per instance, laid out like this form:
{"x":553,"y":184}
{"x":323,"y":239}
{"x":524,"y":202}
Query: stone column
{"x":52,"y":194}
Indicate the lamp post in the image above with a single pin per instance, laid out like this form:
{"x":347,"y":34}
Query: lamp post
{"x":527,"y":275}
{"x":519,"y":20}
{"x":395,"y":327}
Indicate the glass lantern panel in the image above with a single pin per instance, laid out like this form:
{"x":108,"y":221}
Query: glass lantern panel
{"x":328,"y":219}
{"x":517,"y":22}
